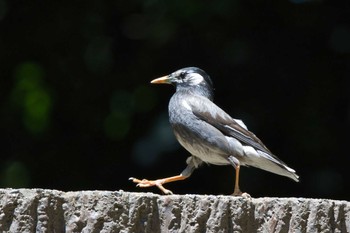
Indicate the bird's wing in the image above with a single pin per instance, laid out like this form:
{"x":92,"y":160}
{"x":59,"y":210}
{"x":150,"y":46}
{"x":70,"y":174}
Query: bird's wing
{"x":207,"y":111}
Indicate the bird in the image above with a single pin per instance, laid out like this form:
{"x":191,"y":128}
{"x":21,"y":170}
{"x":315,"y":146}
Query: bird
{"x":210,"y":134}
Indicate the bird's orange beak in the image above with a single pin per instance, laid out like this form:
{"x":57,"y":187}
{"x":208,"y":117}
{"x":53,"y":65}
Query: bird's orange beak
{"x":162,"y":80}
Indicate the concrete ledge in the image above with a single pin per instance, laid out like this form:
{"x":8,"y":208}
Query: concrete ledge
{"x":38,"y":210}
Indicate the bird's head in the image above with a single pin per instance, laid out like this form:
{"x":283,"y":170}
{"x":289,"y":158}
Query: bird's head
{"x":189,"y":79}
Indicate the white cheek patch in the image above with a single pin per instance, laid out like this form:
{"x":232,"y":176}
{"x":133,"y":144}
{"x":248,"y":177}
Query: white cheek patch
{"x":195,"y":78}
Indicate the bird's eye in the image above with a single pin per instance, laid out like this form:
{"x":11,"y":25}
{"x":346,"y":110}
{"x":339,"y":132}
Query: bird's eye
{"x":182,"y":75}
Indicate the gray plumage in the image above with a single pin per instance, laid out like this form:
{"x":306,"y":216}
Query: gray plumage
{"x":210,"y":134}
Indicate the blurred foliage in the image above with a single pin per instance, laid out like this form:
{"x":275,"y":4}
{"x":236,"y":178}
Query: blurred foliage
{"x":15,"y":175}
{"x":78,"y":112}
{"x":31,"y":97}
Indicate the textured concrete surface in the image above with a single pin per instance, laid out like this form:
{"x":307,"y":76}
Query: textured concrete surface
{"x":38,"y":210}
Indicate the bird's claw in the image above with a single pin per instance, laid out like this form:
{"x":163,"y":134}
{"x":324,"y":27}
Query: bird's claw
{"x":167,"y":191}
{"x":144,"y":183}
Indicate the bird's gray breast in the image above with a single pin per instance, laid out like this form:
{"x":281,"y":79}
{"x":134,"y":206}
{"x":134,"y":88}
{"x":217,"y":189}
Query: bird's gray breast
{"x":196,"y":136}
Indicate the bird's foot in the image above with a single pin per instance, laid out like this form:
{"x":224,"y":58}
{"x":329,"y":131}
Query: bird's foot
{"x":239,"y":193}
{"x":149,"y":183}
{"x":246,"y":196}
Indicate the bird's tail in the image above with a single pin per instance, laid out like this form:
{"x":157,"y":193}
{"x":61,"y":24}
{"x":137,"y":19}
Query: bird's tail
{"x":268,"y":162}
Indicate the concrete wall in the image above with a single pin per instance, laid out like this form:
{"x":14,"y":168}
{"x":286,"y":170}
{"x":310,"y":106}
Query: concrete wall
{"x":38,"y":210}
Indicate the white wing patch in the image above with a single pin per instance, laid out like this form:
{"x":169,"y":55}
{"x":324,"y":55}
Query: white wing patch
{"x":186,"y":105}
{"x":241,"y":123}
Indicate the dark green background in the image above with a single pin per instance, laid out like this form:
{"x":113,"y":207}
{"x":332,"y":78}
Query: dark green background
{"x":78,"y":112}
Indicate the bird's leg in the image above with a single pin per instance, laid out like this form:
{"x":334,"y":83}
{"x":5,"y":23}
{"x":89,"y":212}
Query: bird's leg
{"x":237,"y":191}
{"x":236,"y":164}
{"x":159,"y":182}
